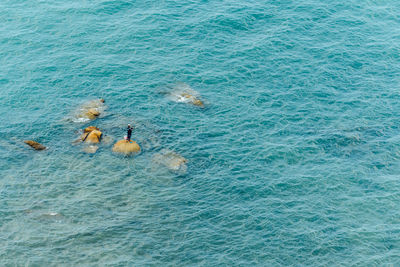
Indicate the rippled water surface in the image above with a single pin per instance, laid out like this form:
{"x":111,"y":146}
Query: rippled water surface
{"x":294,"y":159}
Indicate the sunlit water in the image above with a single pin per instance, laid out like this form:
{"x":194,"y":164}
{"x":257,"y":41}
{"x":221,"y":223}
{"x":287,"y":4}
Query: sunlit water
{"x":294,"y":159}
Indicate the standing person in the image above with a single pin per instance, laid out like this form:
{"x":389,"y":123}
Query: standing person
{"x":129,"y":133}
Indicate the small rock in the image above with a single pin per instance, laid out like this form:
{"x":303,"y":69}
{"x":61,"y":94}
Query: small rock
{"x":35,"y":145}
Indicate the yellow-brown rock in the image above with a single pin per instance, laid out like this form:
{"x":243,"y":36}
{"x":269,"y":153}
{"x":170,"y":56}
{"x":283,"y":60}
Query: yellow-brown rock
{"x":90,"y":128}
{"x":198,"y":102}
{"x":126,"y":147}
{"x":92,"y":114}
{"x":91,"y":134}
{"x":83,"y":136}
{"x":35,"y":145}
{"x":89,"y":110}
{"x":93,"y":137}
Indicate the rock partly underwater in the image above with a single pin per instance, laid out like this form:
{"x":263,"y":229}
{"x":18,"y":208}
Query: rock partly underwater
{"x":89,"y":110}
{"x":35,"y":145}
{"x":183,"y":93}
{"x":172,"y":160}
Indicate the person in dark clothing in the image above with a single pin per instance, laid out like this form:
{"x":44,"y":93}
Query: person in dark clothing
{"x":129,"y":133}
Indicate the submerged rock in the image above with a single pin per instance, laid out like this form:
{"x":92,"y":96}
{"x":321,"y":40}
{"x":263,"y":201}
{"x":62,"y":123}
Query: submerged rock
{"x":106,"y":139}
{"x":191,"y":99}
{"x":171,"y":160}
{"x":45,"y":216}
{"x":35,"y":145}
{"x":126,"y":147}
{"x":183,"y":93}
{"x":90,"y":110}
{"x":198,"y":102}
{"x":90,"y":149}
{"x":92,"y":114}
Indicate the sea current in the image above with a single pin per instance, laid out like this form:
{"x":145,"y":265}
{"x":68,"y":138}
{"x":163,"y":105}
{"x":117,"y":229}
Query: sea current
{"x":294,"y":159}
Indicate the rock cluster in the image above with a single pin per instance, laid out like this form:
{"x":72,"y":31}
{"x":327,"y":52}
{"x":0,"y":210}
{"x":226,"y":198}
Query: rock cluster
{"x":92,"y":135}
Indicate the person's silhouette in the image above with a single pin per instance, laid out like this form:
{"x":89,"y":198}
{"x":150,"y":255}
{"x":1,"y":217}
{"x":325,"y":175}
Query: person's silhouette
{"x":129,"y":133}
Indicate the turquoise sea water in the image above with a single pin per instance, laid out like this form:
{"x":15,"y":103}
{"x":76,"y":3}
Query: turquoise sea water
{"x":295,"y":159}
